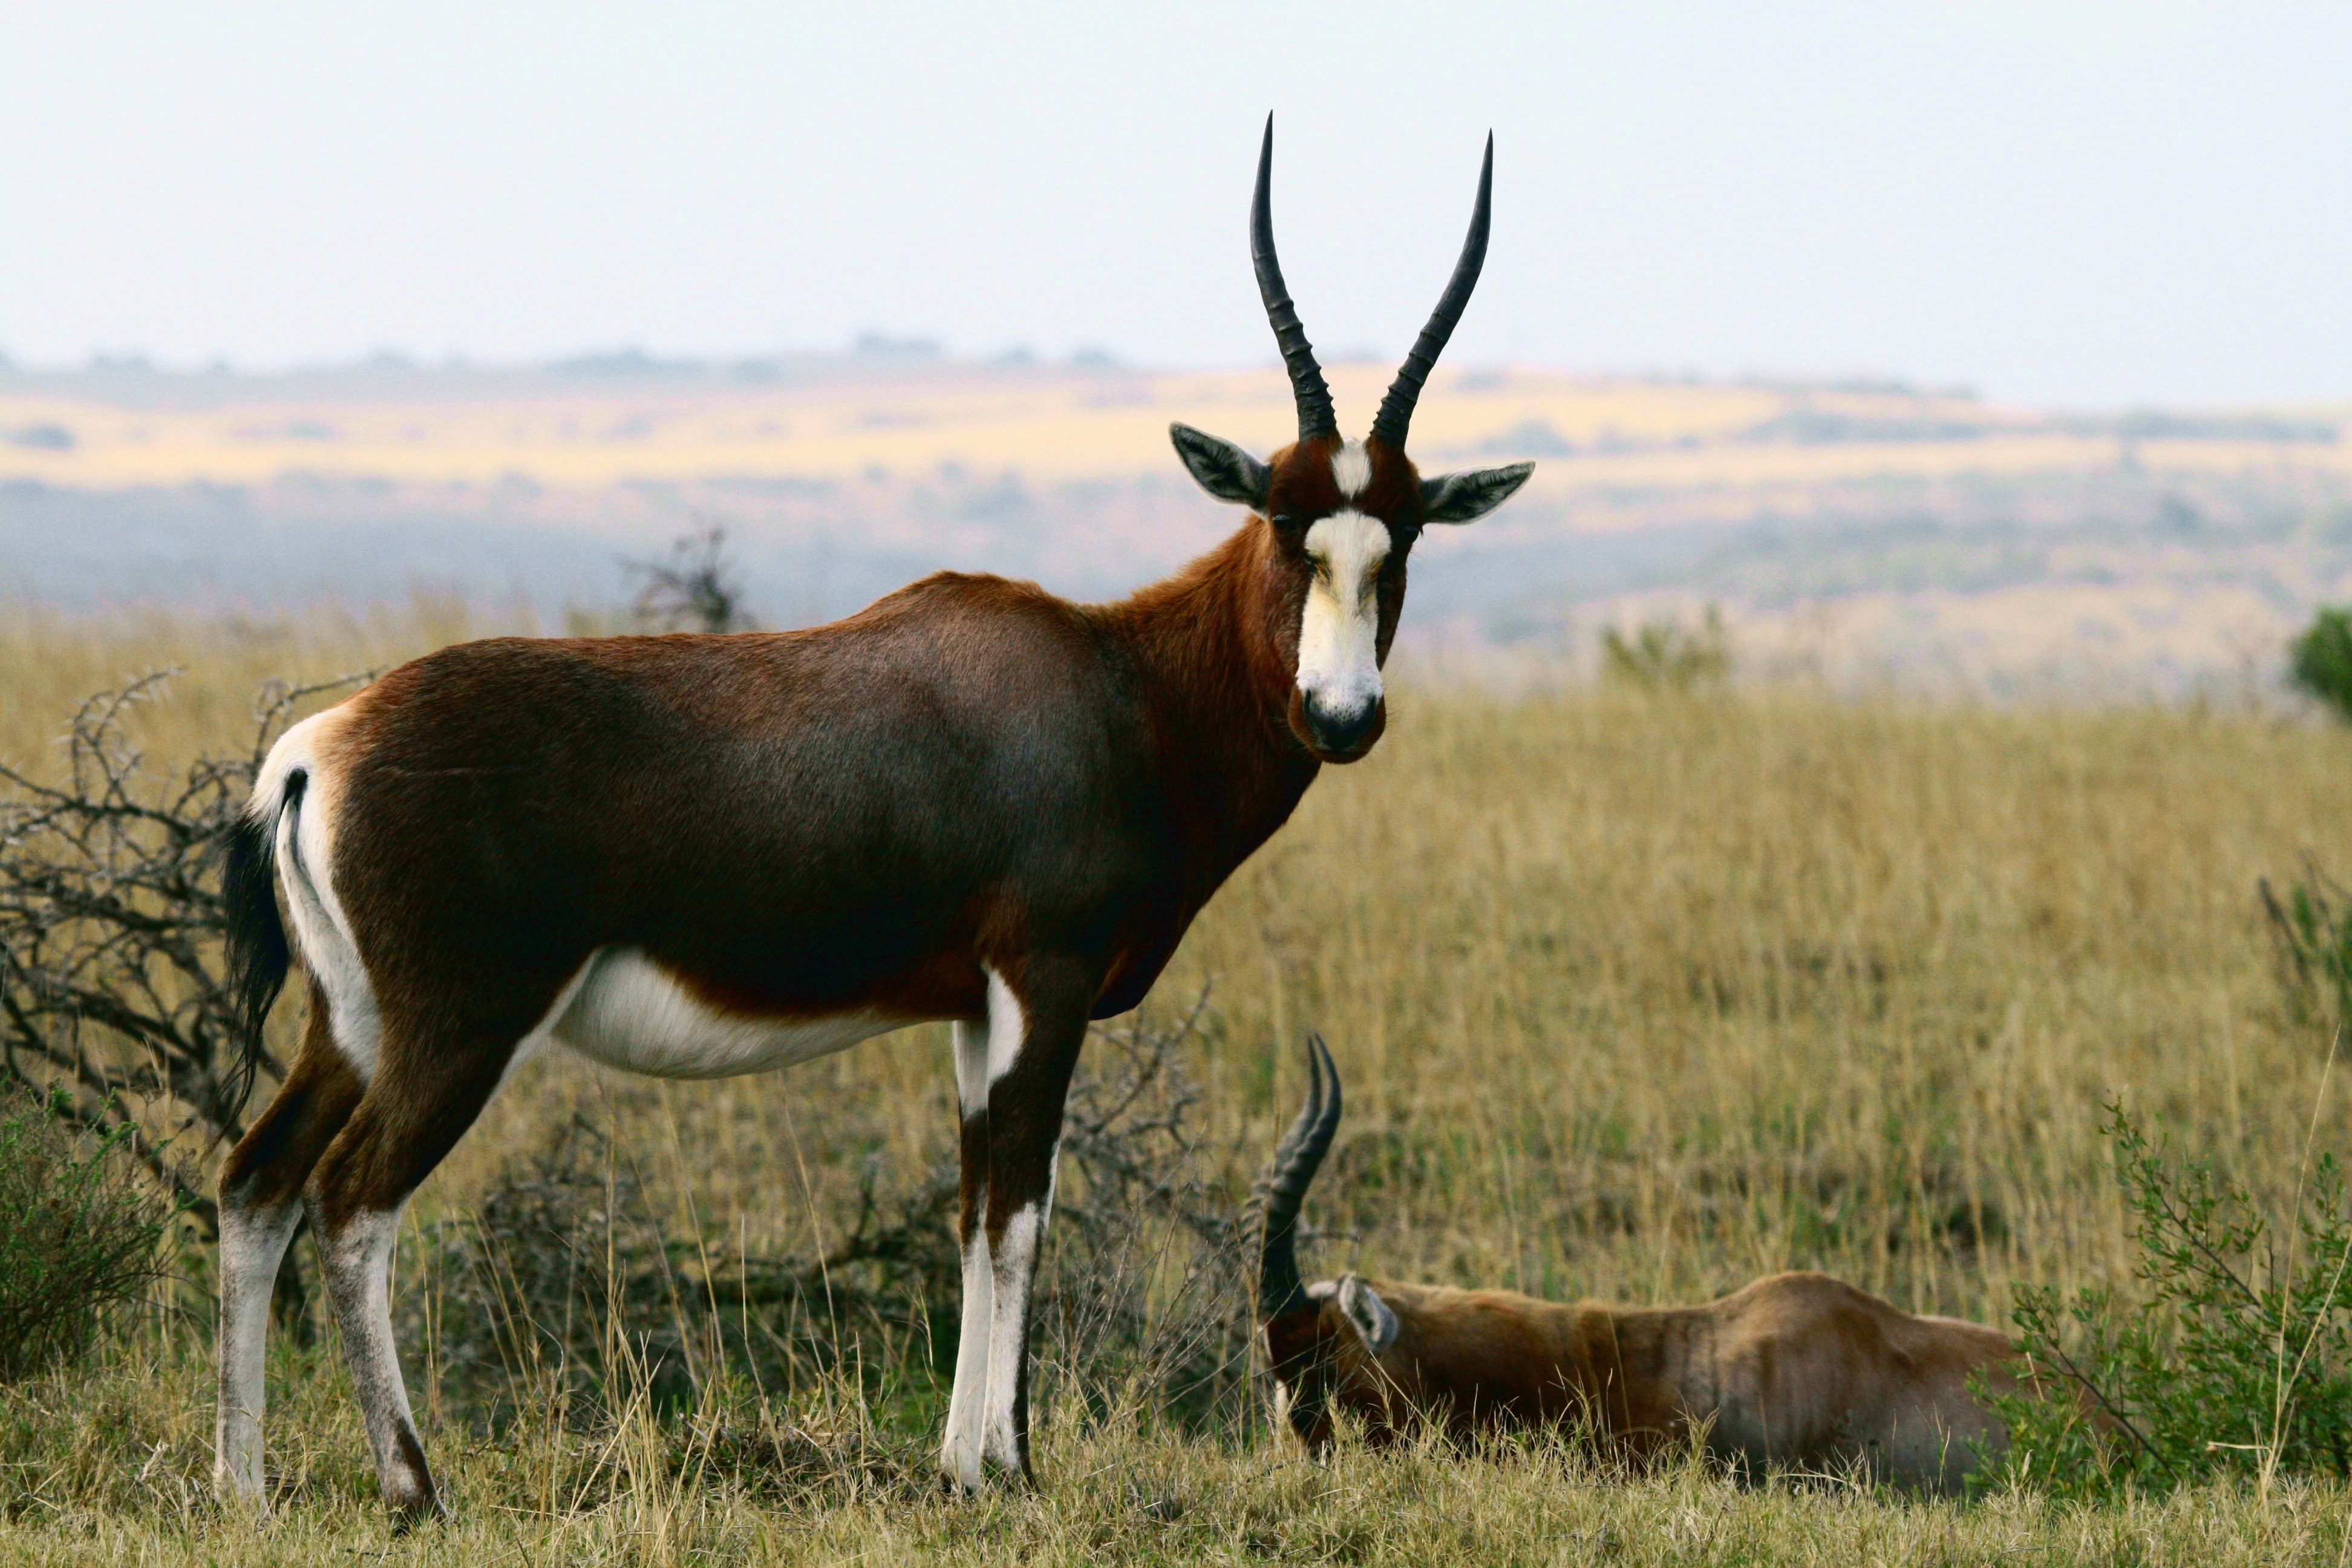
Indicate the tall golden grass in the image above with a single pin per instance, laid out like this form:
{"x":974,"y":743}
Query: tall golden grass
{"x":1638,"y":995}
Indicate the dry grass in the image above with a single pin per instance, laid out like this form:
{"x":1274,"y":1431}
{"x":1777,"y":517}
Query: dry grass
{"x":1115,"y":1496}
{"x":1637,"y":996}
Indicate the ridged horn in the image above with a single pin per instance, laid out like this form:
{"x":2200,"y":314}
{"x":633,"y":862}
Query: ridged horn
{"x":1315,"y":417}
{"x":1395,"y":417}
{"x":1271,"y":1224}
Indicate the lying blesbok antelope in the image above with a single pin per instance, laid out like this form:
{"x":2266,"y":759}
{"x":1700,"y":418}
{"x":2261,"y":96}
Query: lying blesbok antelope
{"x":1797,"y":1372}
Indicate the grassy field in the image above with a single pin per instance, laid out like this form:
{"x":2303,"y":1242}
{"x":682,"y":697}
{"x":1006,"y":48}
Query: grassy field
{"x":1638,"y":996}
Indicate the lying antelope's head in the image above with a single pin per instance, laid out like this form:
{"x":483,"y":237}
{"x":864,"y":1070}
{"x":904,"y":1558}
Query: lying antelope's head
{"x":1323,"y":1341}
{"x":1345,"y":513}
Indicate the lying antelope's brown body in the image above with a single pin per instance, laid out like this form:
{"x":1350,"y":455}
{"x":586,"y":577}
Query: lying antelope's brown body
{"x":1796,"y":1373}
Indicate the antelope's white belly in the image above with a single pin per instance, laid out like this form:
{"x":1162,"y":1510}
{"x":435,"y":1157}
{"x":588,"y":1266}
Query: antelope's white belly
{"x":627,"y":1011}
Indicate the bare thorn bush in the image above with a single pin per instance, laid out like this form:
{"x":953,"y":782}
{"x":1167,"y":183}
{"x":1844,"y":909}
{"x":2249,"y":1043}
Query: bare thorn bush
{"x":563,"y":1287}
{"x":115,"y":1003}
{"x":694,"y":590}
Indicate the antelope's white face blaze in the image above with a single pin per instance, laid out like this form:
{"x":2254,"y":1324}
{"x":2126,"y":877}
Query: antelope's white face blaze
{"x":1339,"y":634}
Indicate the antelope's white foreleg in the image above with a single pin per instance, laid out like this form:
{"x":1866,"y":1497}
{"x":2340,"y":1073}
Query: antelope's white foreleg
{"x":1012,"y":1257}
{"x":960,"y":1451}
{"x":1035,"y":1034}
{"x":1010,"y":1078}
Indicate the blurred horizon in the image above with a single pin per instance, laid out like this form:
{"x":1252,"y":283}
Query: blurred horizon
{"x":1866,"y":530}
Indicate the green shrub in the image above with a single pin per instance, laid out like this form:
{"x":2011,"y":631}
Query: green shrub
{"x":1661,"y":656}
{"x":2320,"y":661}
{"x":2311,"y":933}
{"x":2235,"y":1358}
{"x":77,"y":1234}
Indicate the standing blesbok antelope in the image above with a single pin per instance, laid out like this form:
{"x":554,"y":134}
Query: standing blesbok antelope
{"x":1796,"y":1373}
{"x":703,"y":855}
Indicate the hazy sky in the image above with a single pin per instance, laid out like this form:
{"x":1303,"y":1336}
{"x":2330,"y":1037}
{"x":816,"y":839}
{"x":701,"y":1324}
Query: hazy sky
{"x":2093,"y":203}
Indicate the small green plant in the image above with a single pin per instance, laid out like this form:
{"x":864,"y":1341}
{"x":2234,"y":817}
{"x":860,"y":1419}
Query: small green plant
{"x":79,"y":1229}
{"x":2319,"y":661}
{"x":2235,"y":1358}
{"x":2311,"y":932}
{"x":1662,"y":656}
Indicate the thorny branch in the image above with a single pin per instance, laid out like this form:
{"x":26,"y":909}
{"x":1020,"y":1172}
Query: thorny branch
{"x":694,"y":590}
{"x":567,"y":1246}
{"x":1138,"y":1159}
{"x":114,"y":1000}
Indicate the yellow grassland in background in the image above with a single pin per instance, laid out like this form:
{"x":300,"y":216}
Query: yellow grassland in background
{"x":1046,"y":425}
{"x":1637,"y":996}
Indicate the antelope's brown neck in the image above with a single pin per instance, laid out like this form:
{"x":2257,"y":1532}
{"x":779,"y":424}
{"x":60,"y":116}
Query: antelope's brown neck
{"x":1206,"y":643}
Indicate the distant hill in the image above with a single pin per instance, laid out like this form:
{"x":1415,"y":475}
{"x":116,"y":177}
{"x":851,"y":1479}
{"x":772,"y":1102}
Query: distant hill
{"x":1865,"y":528}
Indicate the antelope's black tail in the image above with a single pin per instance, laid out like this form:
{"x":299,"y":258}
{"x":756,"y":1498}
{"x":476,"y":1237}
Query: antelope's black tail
{"x":258,"y":953}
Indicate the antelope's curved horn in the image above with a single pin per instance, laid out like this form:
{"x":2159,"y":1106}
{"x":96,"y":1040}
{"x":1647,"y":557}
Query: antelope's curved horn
{"x":1271,"y":1224}
{"x":1315,"y":417}
{"x":1395,"y":417}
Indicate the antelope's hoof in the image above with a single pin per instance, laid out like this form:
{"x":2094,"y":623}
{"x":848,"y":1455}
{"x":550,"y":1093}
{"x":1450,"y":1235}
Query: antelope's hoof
{"x":409,"y":1512}
{"x":993,"y":1477}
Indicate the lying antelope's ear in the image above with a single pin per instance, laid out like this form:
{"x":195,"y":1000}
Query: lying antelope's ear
{"x":1223,"y":469}
{"x":1367,"y":1314}
{"x":1465,"y":498}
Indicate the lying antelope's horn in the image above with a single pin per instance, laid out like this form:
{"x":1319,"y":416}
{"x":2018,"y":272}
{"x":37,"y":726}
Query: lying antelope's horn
{"x":1395,"y":417}
{"x":1271,"y":1221}
{"x":1315,"y":417}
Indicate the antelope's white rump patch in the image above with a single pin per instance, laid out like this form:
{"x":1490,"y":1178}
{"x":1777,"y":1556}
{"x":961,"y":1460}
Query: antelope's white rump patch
{"x":304,"y":834}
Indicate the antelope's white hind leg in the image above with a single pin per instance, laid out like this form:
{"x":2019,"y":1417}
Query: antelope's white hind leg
{"x":357,"y":1248}
{"x":252,"y":1245}
{"x":427,"y":1088}
{"x":260,"y":1200}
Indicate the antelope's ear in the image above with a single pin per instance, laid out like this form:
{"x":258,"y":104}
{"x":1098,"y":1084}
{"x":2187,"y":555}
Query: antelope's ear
{"x":1367,"y":1314}
{"x":1465,"y":498}
{"x":1223,"y":469}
